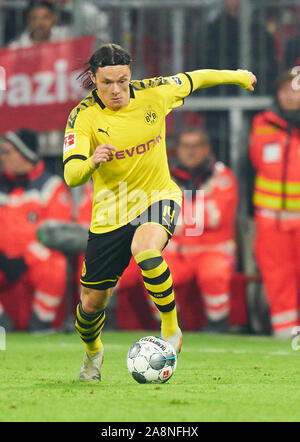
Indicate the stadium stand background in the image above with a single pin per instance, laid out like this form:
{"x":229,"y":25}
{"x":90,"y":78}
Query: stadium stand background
{"x":170,"y":36}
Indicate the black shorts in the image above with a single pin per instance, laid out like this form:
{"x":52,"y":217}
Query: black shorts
{"x":108,"y":254}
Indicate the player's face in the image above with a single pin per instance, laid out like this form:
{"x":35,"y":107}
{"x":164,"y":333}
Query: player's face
{"x":40,"y":22}
{"x":12,"y":161}
{"x":112,"y":83}
{"x":288,"y":97}
{"x":192,"y":150}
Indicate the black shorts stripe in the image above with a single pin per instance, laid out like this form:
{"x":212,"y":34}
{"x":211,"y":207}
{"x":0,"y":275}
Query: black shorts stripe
{"x":100,"y":286}
{"x":75,"y":157}
{"x":150,"y":263}
{"x":158,"y":279}
{"x":166,"y":308}
{"x":166,"y":293}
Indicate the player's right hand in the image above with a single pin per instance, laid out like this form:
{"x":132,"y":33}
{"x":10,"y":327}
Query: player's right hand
{"x":102,"y":154}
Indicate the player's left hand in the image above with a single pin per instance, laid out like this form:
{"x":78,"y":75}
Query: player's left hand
{"x":252,"y":78}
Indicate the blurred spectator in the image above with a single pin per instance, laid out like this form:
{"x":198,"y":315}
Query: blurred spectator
{"x":29,"y":195}
{"x":206,"y":251}
{"x":291,"y":56}
{"x":274,"y":152}
{"x":10,"y":18}
{"x":93,"y":20}
{"x":201,"y":250}
{"x":222,"y":49}
{"x":41,"y":26}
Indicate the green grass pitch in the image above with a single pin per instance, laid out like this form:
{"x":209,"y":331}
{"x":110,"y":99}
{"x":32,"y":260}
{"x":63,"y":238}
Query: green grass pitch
{"x":218,"y":378}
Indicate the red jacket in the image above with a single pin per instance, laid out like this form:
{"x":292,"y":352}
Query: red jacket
{"x":27,"y":201}
{"x":275,"y":153}
{"x":217,"y":203}
{"x":84,"y":208}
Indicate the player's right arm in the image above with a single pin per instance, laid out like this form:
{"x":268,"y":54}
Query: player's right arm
{"x":79,"y":162}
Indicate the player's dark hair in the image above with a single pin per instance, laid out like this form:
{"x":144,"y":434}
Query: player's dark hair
{"x":109,"y":54}
{"x":34,"y":4}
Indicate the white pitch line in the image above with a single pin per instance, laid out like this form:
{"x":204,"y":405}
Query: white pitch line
{"x":124,"y":347}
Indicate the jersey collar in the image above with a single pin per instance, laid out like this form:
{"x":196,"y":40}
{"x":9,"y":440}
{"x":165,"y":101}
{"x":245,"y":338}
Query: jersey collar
{"x":100,"y":102}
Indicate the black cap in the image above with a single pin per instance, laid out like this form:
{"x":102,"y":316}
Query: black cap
{"x":26,"y":142}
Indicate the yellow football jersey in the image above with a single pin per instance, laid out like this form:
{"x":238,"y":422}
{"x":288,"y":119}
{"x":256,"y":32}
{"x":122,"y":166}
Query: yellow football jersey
{"x":138,"y":173}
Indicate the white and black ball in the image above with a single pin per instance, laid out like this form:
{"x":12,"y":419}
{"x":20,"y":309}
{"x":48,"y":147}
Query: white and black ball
{"x":151,"y":360}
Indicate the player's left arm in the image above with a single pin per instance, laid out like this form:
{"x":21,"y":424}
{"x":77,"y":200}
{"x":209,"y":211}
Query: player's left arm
{"x":178,"y":87}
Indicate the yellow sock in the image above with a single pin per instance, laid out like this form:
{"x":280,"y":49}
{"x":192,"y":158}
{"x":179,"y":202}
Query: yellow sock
{"x":89,"y":327}
{"x":94,"y":346}
{"x":159,"y":284}
{"x":169,"y":324}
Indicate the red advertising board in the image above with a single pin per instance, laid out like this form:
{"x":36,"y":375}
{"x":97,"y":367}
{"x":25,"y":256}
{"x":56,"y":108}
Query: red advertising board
{"x":40,"y":84}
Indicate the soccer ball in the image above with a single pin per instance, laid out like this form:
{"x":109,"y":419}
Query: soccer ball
{"x":151,"y":360}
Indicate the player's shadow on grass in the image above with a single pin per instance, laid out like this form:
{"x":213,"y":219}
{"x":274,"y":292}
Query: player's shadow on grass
{"x":78,"y":385}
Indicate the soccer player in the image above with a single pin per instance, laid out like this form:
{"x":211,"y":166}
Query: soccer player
{"x":116,"y":135}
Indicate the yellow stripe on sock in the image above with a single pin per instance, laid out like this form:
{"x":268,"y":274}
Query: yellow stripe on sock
{"x":157,"y":271}
{"x":159,"y":288}
{"x":146,"y":254}
{"x":169,"y":323}
{"x":84,"y":321}
{"x":163,"y":301}
{"x":94,"y":347}
{"x":91,"y":329}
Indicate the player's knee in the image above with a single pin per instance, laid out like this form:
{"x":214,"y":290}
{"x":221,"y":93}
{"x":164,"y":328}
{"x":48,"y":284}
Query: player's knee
{"x":94,"y":301}
{"x":148,"y":237}
{"x":141,"y":246}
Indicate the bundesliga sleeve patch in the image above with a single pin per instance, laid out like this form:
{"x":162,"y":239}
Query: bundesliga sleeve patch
{"x":177,"y":80}
{"x":69,"y":142}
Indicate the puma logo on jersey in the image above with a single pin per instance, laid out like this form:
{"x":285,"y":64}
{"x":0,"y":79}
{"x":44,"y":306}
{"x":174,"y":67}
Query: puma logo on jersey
{"x":104,"y":131}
